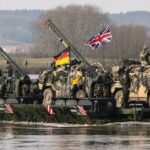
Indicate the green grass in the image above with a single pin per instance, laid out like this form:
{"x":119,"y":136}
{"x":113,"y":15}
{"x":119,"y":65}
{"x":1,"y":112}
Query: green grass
{"x":32,"y":113}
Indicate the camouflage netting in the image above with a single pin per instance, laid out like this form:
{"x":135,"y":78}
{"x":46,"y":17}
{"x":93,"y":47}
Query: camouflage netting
{"x":31,"y":113}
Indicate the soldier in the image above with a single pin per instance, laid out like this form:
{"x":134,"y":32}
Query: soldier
{"x":125,"y":81}
{"x":52,"y":66}
{"x":10,"y":69}
{"x":135,"y":79}
{"x":26,"y":63}
{"x":60,"y":71}
{"x":76,"y":77}
{"x":144,"y":56}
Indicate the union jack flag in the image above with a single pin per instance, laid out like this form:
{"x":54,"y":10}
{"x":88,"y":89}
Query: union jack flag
{"x":50,"y":110}
{"x":102,"y":38}
{"x":82,"y":110}
{"x":9,"y":109}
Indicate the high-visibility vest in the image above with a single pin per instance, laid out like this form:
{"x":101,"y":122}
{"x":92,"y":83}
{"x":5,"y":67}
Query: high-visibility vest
{"x":76,"y":78}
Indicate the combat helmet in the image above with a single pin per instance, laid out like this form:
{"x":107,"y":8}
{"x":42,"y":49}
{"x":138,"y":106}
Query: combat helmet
{"x":145,"y":47}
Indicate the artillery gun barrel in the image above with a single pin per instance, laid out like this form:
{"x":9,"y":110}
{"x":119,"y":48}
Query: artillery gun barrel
{"x":7,"y":58}
{"x":66,"y":43}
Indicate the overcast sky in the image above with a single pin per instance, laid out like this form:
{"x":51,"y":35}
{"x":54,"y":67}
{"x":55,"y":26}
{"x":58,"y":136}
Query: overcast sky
{"x":112,"y":6}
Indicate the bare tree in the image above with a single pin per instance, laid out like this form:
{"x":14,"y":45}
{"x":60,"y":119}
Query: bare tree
{"x":127,"y":41}
{"x":77,"y":23}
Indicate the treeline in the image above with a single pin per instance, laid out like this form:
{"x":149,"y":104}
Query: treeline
{"x":79,"y":24}
{"x":17,"y":25}
{"x":133,"y":17}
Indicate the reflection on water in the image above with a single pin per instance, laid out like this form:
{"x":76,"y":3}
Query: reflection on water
{"x":127,"y":136}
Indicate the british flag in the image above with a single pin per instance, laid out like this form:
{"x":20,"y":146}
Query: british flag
{"x":82,"y":110}
{"x":102,"y":38}
{"x":9,"y":109}
{"x":50,"y":110}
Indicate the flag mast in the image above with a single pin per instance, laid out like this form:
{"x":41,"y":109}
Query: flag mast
{"x":67,"y":44}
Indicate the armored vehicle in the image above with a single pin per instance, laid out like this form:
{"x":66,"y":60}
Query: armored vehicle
{"x":131,"y":84}
{"x":15,"y":84}
{"x":93,"y":81}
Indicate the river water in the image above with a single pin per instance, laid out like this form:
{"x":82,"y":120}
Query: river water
{"x":129,"y":136}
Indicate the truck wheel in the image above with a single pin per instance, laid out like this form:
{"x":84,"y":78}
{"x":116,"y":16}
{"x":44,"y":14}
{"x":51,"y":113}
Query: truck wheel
{"x":47,"y":94}
{"x":80,"y":94}
{"x":119,"y":98}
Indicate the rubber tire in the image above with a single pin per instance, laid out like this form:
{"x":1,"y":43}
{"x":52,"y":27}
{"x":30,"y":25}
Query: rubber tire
{"x":119,"y":98}
{"x":47,"y":97}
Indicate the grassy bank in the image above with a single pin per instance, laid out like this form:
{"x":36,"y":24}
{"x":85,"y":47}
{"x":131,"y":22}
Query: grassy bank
{"x":32,"y":113}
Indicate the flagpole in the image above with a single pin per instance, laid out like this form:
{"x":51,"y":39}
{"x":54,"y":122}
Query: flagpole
{"x":66,"y":43}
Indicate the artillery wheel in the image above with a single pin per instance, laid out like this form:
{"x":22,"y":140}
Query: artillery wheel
{"x":47,"y":94}
{"x":119,"y":98}
{"x":80,"y":94}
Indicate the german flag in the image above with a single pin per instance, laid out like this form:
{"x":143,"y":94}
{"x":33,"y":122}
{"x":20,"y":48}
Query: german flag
{"x":62,"y":58}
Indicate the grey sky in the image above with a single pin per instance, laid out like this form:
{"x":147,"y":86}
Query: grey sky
{"x":112,"y":6}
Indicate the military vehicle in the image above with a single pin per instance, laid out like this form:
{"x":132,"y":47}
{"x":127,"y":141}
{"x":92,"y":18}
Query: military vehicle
{"x":96,"y":83}
{"x":138,"y":85}
{"x":15,"y":84}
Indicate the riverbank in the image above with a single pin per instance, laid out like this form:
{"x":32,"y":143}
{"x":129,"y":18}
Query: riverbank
{"x":29,"y":114}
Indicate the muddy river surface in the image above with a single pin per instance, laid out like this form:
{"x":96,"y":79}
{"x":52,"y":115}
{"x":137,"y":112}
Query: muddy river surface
{"x":112,"y":137}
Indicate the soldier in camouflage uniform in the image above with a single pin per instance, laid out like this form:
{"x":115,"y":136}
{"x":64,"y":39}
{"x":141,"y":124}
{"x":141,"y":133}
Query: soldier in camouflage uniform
{"x":9,"y":69}
{"x":76,"y":77}
{"x":144,"y":56}
{"x":125,"y":81}
{"x":135,"y":79}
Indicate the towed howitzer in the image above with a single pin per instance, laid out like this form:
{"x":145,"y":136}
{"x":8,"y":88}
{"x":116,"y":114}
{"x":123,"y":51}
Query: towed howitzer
{"x":94,"y":84}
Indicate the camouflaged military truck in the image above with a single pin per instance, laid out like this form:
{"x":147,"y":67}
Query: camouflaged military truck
{"x":15,"y":85}
{"x":55,"y":84}
{"x":59,"y":86}
{"x":137,"y":87}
